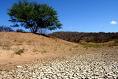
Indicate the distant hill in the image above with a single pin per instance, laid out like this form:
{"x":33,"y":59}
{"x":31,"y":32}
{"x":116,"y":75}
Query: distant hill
{"x":79,"y":37}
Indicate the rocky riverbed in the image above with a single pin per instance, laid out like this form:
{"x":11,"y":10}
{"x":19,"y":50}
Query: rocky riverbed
{"x":87,"y":66}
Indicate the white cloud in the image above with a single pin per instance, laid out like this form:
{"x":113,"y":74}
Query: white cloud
{"x":113,"y":22}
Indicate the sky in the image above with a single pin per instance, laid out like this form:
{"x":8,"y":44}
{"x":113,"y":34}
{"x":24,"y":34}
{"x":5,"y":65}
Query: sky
{"x":76,"y":15}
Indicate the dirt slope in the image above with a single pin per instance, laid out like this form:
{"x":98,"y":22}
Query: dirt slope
{"x":31,"y":47}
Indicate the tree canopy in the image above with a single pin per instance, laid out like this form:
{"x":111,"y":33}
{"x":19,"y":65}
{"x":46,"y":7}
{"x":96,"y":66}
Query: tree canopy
{"x":34,"y":16}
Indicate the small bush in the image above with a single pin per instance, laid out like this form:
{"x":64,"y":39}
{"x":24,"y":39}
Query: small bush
{"x":6,"y":29}
{"x":20,"y":30}
{"x":19,"y":51}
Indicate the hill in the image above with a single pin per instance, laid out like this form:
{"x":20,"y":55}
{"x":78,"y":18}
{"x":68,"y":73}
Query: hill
{"x":94,"y":37}
{"x":19,"y":48}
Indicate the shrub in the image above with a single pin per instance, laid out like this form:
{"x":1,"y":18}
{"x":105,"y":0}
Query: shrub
{"x":20,"y":30}
{"x":6,"y":29}
{"x":19,"y":51}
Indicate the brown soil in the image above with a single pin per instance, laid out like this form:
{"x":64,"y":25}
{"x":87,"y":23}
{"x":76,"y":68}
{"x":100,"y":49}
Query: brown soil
{"x":34,"y":47}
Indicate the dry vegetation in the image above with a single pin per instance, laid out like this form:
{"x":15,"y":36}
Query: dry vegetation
{"x":79,"y":37}
{"x":29,"y":46}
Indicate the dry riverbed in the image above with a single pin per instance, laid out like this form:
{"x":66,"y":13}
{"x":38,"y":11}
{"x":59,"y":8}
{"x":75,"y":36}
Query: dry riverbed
{"x":92,"y":64}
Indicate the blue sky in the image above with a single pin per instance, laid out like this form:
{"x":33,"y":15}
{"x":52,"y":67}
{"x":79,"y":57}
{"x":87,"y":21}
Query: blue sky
{"x":77,"y":15}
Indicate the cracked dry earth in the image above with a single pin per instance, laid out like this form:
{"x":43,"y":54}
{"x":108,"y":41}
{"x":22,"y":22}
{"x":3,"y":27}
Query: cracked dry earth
{"x":93,"y":64}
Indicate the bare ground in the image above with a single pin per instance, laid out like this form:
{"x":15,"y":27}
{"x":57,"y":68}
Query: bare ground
{"x":32,"y":46}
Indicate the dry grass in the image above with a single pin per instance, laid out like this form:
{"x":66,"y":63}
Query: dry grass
{"x":99,"y":45}
{"x":19,"y":51}
{"x":28,"y":46}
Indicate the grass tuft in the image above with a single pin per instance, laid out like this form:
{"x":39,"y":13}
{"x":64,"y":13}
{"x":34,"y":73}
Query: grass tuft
{"x":19,"y":51}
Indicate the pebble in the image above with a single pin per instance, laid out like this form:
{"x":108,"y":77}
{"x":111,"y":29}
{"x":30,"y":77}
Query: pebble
{"x":73,"y":67}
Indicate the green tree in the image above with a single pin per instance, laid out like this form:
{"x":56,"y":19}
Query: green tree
{"x":34,"y":16}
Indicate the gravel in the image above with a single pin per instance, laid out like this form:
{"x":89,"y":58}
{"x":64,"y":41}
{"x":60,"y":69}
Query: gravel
{"x":87,"y":66}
